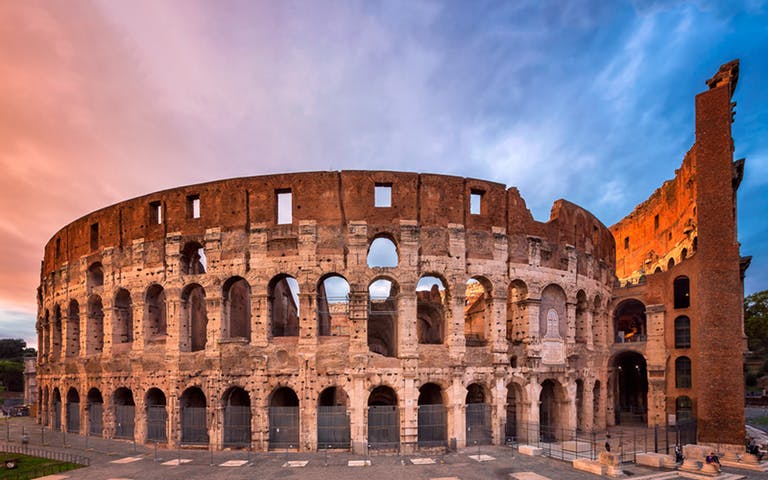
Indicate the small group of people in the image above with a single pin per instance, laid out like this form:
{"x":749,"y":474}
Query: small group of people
{"x":754,"y":449}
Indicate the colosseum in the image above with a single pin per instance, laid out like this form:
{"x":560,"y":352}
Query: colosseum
{"x":377,"y":309}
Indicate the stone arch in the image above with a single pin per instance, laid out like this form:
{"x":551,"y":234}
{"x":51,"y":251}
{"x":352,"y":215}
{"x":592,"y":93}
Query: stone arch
{"x":582,"y":317}
{"x":73,"y":410}
{"x":382,"y":252}
{"x":56,"y":403}
{"x":73,"y":329}
{"x":283,"y":419}
{"x":478,"y":413}
{"x":431,"y":301}
{"x":630,"y":387}
{"x":682,"y":332}
{"x":518,"y":329}
{"x":57,"y":332}
{"x":383,"y":418}
{"x":94,"y":329}
{"x":236,"y":306}
{"x":552,"y":414}
{"x":580,"y":419}
{"x":598,"y":327}
{"x":284,"y":306}
{"x":514,"y":409}
{"x":192,"y":259}
{"x":125,"y":413}
{"x":670,"y":263}
{"x":682,"y":292}
{"x":155,"y":312}
{"x":432,"y":416}
{"x":478,"y":307}
{"x":194,"y":317}
{"x":122,"y":320}
{"x":629,"y":321}
{"x":237,"y":417}
{"x":193,"y":406}
{"x":157,"y":415}
{"x":333,"y":429}
{"x":95,"y":408}
{"x":332,"y":305}
{"x":94,"y":276}
{"x":383,"y":305}
{"x":683,"y":254}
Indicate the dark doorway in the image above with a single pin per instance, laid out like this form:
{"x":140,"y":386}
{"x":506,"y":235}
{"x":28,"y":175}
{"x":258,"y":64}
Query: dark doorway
{"x":125,"y":413}
{"x":157,"y":416}
{"x":478,"y":416}
{"x":630,"y":394}
{"x":332,"y":419}
{"x":383,"y":418}
{"x":432,"y":419}
{"x":283,"y":419}
{"x":237,"y":418}
{"x":194,"y":429}
{"x":95,"y":412}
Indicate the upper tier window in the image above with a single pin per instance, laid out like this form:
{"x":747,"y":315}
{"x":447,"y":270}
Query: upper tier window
{"x":284,"y":207}
{"x":193,"y":206}
{"x":476,"y":202}
{"x":382,"y":195}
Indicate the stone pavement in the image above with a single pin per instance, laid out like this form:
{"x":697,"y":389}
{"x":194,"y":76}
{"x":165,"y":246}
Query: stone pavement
{"x":117,"y":460}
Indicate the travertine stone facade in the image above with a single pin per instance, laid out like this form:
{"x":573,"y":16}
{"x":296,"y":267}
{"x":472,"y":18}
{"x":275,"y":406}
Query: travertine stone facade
{"x":351,"y":309}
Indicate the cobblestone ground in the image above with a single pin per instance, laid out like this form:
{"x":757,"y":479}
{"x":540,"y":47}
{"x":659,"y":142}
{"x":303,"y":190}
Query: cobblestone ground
{"x":115,"y":459}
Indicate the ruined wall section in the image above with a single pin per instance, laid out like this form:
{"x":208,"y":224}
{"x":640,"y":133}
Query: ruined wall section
{"x":661,"y":231}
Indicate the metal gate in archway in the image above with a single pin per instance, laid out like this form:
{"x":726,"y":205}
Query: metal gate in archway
{"x":193,"y":426}
{"x":432,"y":425}
{"x":124,"y":420}
{"x":57,"y":415}
{"x":237,"y":425}
{"x":95,"y":419}
{"x":73,"y":417}
{"x":333,"y":427}
{"x":383,"y":426}
{"x":157,"y":419}
{"x":478,"y":422}
{"x":283,"y":427}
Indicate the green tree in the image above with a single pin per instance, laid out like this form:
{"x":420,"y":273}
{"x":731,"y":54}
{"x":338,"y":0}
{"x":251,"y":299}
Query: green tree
{"x":756,"y":322}
{"x":12,"y":348}
{"x":12,"y":375}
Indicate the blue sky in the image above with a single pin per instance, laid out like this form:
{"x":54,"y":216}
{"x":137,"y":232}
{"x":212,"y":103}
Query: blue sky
{"x":591,"y":101}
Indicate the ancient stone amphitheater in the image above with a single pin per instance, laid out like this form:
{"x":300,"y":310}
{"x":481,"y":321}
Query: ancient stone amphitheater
{"x":362,"y":309}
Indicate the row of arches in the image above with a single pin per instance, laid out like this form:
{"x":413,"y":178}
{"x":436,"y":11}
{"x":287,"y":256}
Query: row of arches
{"x":434,"y":310}
{"x":118,"y":417}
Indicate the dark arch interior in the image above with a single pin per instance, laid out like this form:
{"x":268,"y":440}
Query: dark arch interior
{"x":193,"y":397}
{"x":155,"y":397}
{"x":332,"y":397}
{"x":94,"y":396}
{"x":382,"y":396}
{"x":475,"y":394}
{"x":430,"y":394}
{"x":73,"y":396}
{"x":238,"y":397}
{"x":123,"y":396}
{"x":284,"y":397}
{"x":630,"y":388}
{"x":629,"y":322}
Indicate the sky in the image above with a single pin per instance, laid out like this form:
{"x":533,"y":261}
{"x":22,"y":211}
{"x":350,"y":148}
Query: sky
{"x":591,"y":101}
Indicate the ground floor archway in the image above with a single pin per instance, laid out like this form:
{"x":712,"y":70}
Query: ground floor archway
{"x":629,"y":376}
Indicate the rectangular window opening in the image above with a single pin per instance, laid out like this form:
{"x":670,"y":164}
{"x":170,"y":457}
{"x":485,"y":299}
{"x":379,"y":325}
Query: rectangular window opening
{"x":284,"y":200}
{"x":193,"y":206}
{"x":382,"y":195}
{"x":626,"y":243}
{"x":156,"y":213}
{"x":94,"y":236}
{"x":58,"y":248}
{"x":476,"y":202}
{"x":656,"y":222}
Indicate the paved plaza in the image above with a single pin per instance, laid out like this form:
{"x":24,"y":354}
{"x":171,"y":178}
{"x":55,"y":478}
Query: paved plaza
{"x":116,"y":459}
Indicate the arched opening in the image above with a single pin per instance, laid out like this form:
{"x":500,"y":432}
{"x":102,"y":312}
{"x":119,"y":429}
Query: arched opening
{"x":192,"y":259}
{"x":95,"y":412}
{"x":155,"y":312}
{"x":193,"y":405}
{"x":157,"y":415}
{"x":333,"y":419}
{"x":430,"y":310}
{"x":657,"y":270}
{"x":284,"y":306}
{"x":237,"y":418}
{"x":125,"y":413}
{"x":73,"y":411}
{"x":45,"y":406}
{"x":629,"y":323}
{"x":670,"y":263}
{"x":682,"y":332}
{"x":333,"y":306}
{"x":382,"y":317}
{"x":122,"y":326}
{"x":514,"y":411}
{"x":683,"y":254}
{"x":56,"y":409}
{"x":382,"y":253}
{"x":683,"y":410}
{"x":383,"y":418}
{"x":598,"y":326}
{"x":695,"y":244}
{"x":630,"y":385}
{"x":432,"y":418}
{"x":94,"y":277}
{"x":73,"y":329}
{"x":682,"y":291}
{"x":95,"y":327}
{"x":682,"y":372}
{"x":194,"y":317}
{"x":44,"y":334}
{"x":477,"y":311}
{"x":582,"y":320}
{"x":552,"y":313}
{"x":283,"y":419}
{"x":579,"y":405}
{"x":237,"y":309}
{"x":550,"y":417}
{"x":56,"y":338}
{"x":478,"y":416}
{"x":517,"y":312}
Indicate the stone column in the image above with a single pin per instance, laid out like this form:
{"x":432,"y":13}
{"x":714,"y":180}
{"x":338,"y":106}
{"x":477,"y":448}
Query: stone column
{"x":458,"y":396}
{"x":357,"y":406}
{"x":409,"y":412}
{"x":530,"y":411}
{"x":407,"y":337}
{"x":499,"y":399}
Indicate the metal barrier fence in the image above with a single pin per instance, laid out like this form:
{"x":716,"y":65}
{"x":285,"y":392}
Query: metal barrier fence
{"x":73,"y":417}
{"x":95,"y":419}
{"x":478,"y":423}
{"x":124,"y":420}
{"x":237,"y":425}
{"x":157,"y":418}
{"x":333,"y":427}
{"x":568,"y":444}
{"x":194,"y":430}
{"x":432,"y":424}
{"x":283,"y":427}
{"x":383,"y":427}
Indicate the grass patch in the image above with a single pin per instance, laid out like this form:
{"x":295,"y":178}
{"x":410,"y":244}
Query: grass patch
{"x":32,"y":467}
{"x":762,"y":421}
